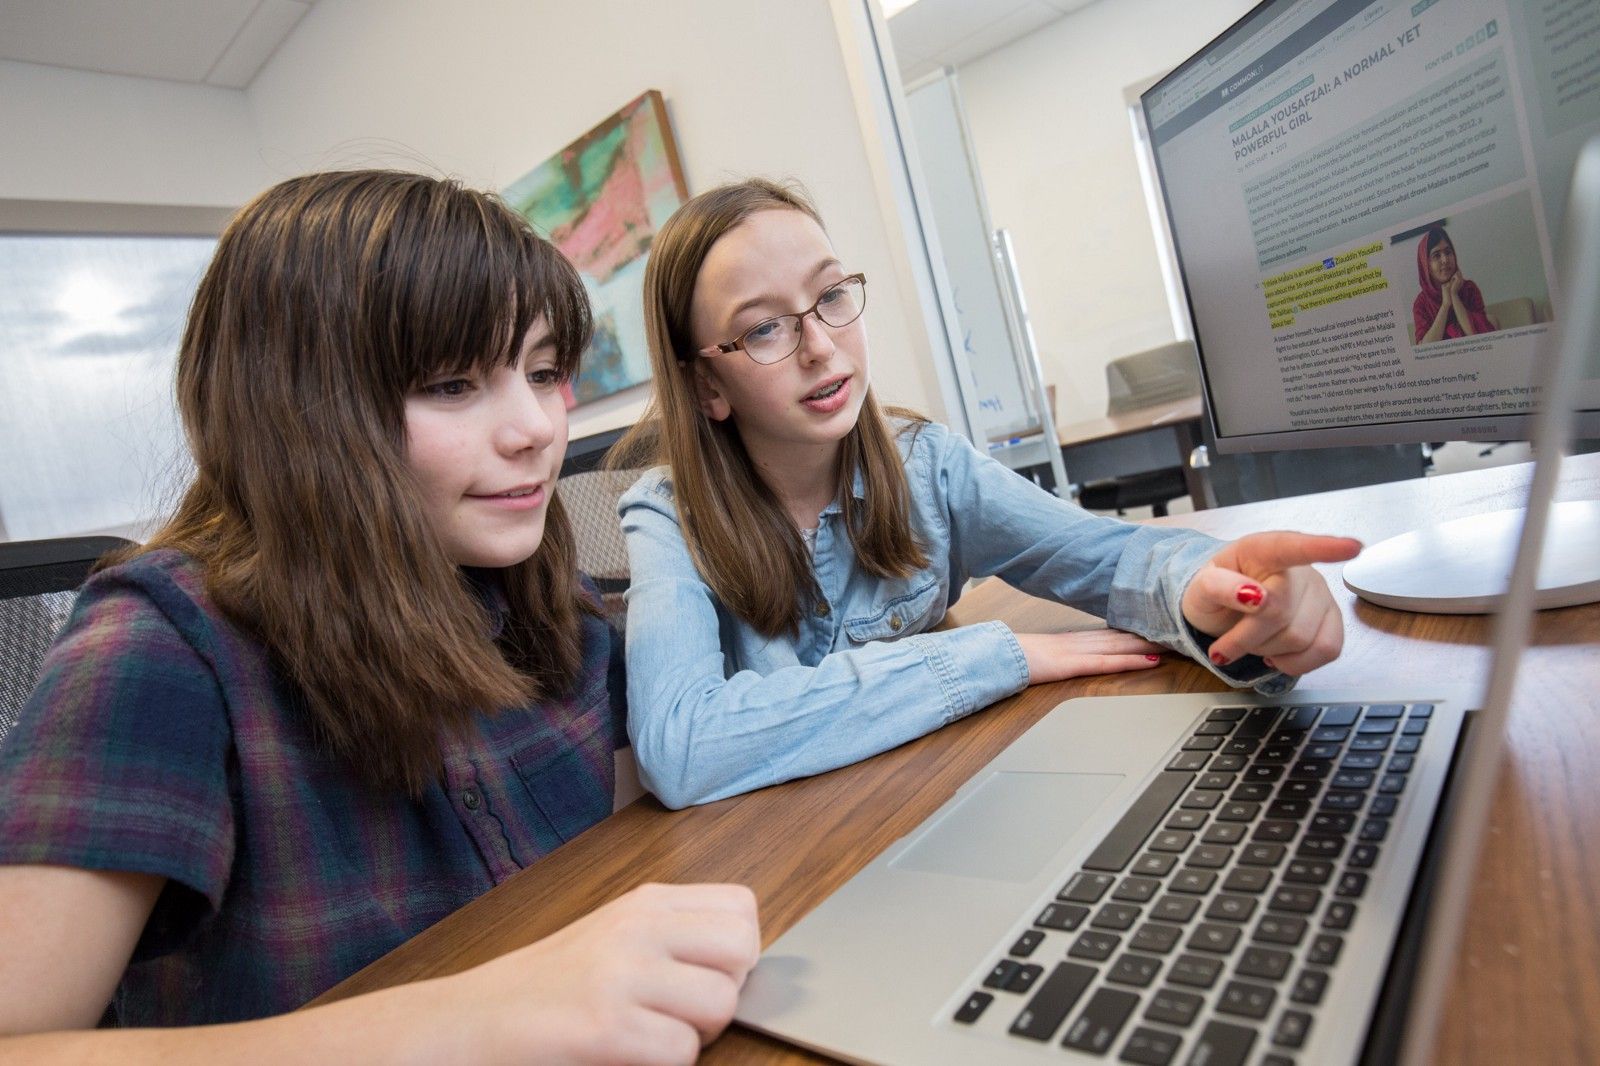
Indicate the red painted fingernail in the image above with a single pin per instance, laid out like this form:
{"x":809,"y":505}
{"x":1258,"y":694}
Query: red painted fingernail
{"x":1220,"y":659}
{"x":1251,"y":595}
{"x":1153,"y":658}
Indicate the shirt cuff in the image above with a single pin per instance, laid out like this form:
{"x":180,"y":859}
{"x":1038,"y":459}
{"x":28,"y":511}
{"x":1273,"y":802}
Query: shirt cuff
{"x":1248,"y":671}
{"x":976,"y":665}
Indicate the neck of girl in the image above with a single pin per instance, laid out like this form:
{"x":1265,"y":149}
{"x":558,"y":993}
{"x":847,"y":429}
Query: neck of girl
{"x":803,"y":477}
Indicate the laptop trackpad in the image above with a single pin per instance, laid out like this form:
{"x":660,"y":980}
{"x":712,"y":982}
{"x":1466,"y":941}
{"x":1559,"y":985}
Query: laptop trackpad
{"x":1009,"y":826}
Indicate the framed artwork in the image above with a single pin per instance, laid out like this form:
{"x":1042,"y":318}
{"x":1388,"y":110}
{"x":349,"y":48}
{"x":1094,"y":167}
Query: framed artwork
{"x":600,"y":200}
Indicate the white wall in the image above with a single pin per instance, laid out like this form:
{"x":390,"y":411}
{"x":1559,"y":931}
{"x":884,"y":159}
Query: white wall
{"x":487,"y":90}
{"x":77,"y":135}
{"x":1050,"y":129}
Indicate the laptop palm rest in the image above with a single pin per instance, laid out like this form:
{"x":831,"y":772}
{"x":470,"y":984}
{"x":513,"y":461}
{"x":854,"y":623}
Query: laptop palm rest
{"x":1009,"y":826}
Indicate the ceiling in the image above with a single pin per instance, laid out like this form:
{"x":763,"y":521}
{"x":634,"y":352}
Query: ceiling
{"x":940,"y":33}
{"x":225,"y":42}
{"x":203,"y":42}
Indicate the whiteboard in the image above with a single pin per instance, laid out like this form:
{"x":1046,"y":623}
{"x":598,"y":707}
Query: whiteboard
{"x":988,"y":357}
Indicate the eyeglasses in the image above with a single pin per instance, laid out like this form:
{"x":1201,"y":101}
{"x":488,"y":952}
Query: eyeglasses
{"x":773,"y":340}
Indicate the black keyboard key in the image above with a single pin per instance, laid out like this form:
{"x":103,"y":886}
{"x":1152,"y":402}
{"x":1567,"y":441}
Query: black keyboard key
{"x":1332,"y":822}
{"x":1136,"y":824}
{"x":1194,"y":881}
{"x":1362,"y":760}
{"x":1085,"y":888}
{"x":1311,"y":770}
{"x":1308,"y":872}
{"x":1309,"y":986}
{"x":1003,"y":972}
{"x":1247,"y":879}
{"x":1189,"y":760}
{"x":1251,"y":793}
{"x":1263,"y":773}
{"x":1156,"y":938}
{"x":1323,"y":752}
{"x":1213,"y":937}
{"x":1150,"y":1047}
{"x":1024,"y":978}
{"x":1421,"y":710}
{"x":1339,"y":915}
{"x":1094,"y":946}
{"x":1210,"y":856}
{"x":1290,"y":808}
{"x":1171,"y":840}
{"x":1257,"y":722}
{"x":1175,"y":908}
{"x":1226,"y":714}
{"x":1221,"y":1044}
{"x":1415,"y":727}
{"x":1343,"y":801}
{"x":1026,"y":943}
{"x":1202,"y":744}
{"x":1403,"y":746}
{"x":1230,"y":908}
{"x":1117,"y":916}
{"x":1215,"y":780}
{"x":1379,"y":743}
{"x":1385,"y":710}
{"x":1362,"y":856}
{"x":1300,"y":718}
{"x":1383,"y":806}
{"x":1213,"y":729}
{"x":1131,"y":969}
{"x":1268,"y":963}
{"x":1275,"y":831}
{"x":1401,"y":764}
{"x":1351,"y":884}
{"x":1375,"y":728}
{"x":1062,"y":916}
{"x":1224,"y":833}
{"x":1231,"y":763}
{"x":1293,"y":1025}
{"x":1202,"y":799}
{"x":1101,"y":1021}
{"x":1238,"y":812}
{"x":1196,"y":971}
{"x":1280,"y":929}
{"x":972,"y":1009}
{"x":1173,"y":1007}
{"x":1392,"y":784}
{"x":1186,"y":820}
{"x":1276,"y":752}
{"x":1344,"y":714}
{"x":1152,"y":864}
{"x":1262,"y":854}
{"x":1295,"y":900}
{"x":1320,"y":846}
{"x":1246,"y":1000}
{"x":1305,"y":790}
{"x":1054,"y":1000}
{"x":1351,"y":779}
{"x":1240,"y":746}
{"x":1328,"y":734}
{"x":1324,"y":950}
{"x":1136,"y":890}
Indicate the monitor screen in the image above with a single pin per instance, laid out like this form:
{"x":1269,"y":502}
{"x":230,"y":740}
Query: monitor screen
{"x":1366,"y":199}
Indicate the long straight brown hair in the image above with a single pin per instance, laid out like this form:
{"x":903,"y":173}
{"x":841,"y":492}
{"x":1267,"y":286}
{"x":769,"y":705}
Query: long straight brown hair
{"x":741,"y":539}
{"x":330,"y":297}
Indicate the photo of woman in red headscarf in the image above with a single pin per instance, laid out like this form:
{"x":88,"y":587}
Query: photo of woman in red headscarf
{"x":1449,"y":305}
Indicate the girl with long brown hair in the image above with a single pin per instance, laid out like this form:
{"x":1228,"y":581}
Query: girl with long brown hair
{"x":354,"y":682}
{"x":798,"y":542}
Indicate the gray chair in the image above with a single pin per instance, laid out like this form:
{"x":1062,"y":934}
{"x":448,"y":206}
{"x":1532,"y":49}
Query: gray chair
{"x":1145,"y":379}
{"x":38,"y":583}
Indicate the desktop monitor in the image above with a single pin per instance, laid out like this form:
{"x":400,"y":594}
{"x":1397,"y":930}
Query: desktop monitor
{"x":1367,"y":199}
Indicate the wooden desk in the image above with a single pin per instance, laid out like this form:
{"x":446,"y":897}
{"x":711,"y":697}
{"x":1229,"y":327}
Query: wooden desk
{"x":1133,"y":442}
{"x":1528,"y":983}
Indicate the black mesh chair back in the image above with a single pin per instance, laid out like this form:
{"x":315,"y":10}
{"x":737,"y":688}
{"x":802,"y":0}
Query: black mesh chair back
{"x":38,"y":583}
{"x":590,"y":498}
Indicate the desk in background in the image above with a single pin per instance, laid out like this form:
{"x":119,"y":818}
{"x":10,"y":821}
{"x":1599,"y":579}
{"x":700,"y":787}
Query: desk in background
{"x":1528,"y":980}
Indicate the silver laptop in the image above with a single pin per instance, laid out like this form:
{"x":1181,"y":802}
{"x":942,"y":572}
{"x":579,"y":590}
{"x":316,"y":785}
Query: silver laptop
{"x":1203,"y":878}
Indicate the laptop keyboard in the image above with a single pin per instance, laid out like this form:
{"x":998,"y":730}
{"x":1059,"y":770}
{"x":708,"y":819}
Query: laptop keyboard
{"x":1211,"y":919}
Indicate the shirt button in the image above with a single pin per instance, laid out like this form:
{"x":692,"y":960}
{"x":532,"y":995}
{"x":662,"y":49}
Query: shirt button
{"x":894,"y":622}
{"x":470,"y":798}
{"x":823,"y":610}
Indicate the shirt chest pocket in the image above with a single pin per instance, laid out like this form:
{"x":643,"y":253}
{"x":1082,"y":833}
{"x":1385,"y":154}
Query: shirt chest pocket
{"x":568,"y":773}
{"x":909,"y":612}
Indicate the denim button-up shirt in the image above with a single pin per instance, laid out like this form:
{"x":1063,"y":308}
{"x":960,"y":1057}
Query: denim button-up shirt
{"x":716,"y":708}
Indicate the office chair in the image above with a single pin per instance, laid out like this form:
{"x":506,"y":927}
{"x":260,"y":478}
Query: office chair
{"x":1145,"y":379}
{"x":38,"y":583}
{"x":590,"y":494}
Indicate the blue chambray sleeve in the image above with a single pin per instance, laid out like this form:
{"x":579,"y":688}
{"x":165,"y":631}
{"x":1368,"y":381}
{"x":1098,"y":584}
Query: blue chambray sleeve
{"x":1132,"y":576}
{"x":700,"y":735}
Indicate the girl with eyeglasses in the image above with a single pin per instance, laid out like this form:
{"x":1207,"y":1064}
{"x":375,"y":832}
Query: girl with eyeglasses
{"x":797,"y":542}
{"x":352,"y":684}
